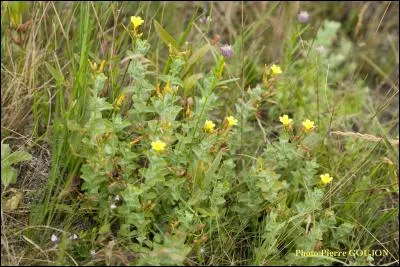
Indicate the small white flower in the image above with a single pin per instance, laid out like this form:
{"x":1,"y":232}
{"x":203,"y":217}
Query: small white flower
{"x":320,"y":49}
{"x":54,"y":238}
{"x":202,"y":250}
{"x":205,"y":19}
{"x":75,"y":236}
{"x":92,"y":252}
{"x":113,"y":206}
{"x":116,"y":198}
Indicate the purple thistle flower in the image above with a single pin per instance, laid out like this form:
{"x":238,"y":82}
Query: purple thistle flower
{"x":303,"y":16}
{"x":227,"y":50}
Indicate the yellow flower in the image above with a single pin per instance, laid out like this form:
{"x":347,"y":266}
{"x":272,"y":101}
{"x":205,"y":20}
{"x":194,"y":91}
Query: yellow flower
{"x":209,"y":126}
{"x":308,"y":125}
{"x":120,"y":100}
{"x":93,"y":66}
{"x":136,"y":21}
{"x":167,"y":88}
{"x":101,"y":67}
{"x":326,"y":178}
{"x":285,"y":120}
{"x":231,"y":121}
{"x":276,"y":69}
{"x":158,"y":146}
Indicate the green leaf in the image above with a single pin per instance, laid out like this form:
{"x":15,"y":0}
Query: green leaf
{"x":100,"y":126}
{"x":16,"y":157}
{"x":165,"y":36}
{"x":198,"y":173}
{"x":64,"y":207}
{"x":131,"y":196}
{"x":215,"y":163}
{"x":206,"y":212}
{"x":8,"y":175}
{"x":98,"y":104}
{"x":105,"y":228}
{"x":327,"y":33}
{"x":92,"y":180}
{"x":227,"y":81}
{"x":5,"y":150}
{"x":99,"y":82}
{"x":172,"y":252}
{"x":190,"y":81}
{"x":199,"y":54}
{"x":185,"y":34}
{"x":196,"y":197}
{"x":57,"y":74}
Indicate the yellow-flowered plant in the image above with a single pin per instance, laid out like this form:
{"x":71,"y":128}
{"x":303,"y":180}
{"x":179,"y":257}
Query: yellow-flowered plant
{"x":209,"y":126}
{"x":275,"y":69}
{"x":167,"y":89}
{"x":120,"y":100}
{"x":136,"y":21}
{"x":231,"y":121}
{"x":93,"y":66}
{"x":308,"y":125}
{"x":326,"y":178}
{"x":285,"y":120}
{"x":158,"y":146}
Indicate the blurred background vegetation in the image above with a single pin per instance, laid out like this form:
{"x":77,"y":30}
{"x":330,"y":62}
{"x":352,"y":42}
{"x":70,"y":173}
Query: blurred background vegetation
{"x":36,"y":34}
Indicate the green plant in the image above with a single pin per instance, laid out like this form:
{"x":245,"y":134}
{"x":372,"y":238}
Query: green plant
{"x":8,"y":173}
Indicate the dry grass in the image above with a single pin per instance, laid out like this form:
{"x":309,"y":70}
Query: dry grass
{"x":367,"y":137}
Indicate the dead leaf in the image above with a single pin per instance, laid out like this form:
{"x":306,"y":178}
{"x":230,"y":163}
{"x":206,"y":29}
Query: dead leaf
{"x":13,"y":202}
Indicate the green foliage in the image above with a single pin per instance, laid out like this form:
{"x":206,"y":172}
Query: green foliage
{"x":16,"y":10}
{"x":327,"y":33}
{"x":159,"y":199}
{"x":8,"y":173}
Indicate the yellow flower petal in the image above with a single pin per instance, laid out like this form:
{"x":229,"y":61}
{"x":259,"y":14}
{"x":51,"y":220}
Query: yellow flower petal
{"x":209,"y":126}
{"x":285,"y":120}
{"x":326,"y":178}
{"x":308,"y":125}
{"x":167,"y":88}
{"x":158,"y":146}
{"x":276,"y":69}
{"x":136,"y":21}
{"x":231,"y":121}
{"x":120,"y":100}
